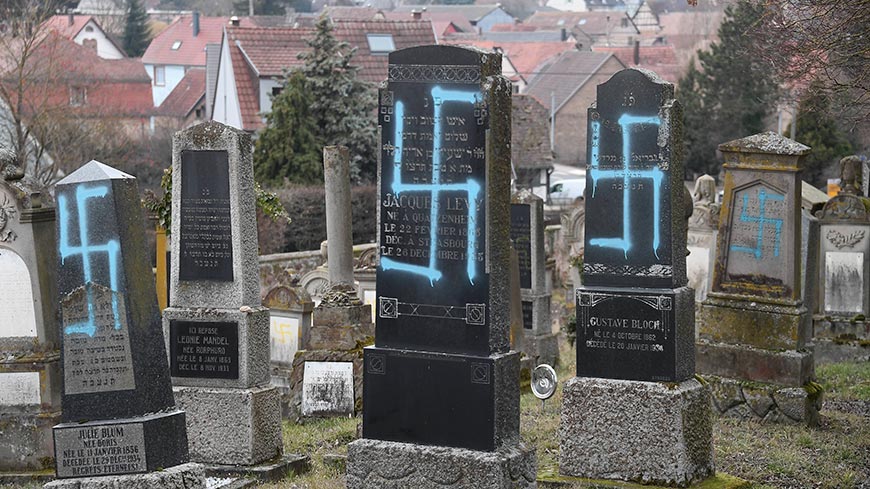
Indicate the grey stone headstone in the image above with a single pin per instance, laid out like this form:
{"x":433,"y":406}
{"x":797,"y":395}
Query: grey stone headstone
{"x":844,"y":259}
{"x":327,"y":389}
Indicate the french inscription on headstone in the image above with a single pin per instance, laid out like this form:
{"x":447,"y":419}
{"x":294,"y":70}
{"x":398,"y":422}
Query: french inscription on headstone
{"x":327,"y":388}
{"x":204,"y":349}
{"x":17,"y":316}
{"x":97,"y":450}
{"x":432,"y":282}
{"x":521,"y":231}
{"x":206,"y":234}
{"x":96,"y":347}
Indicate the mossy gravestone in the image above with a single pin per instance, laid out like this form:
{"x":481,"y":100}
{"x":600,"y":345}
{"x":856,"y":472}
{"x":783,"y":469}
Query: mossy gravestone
{"x":635,"y":410}
{"x":441,"y":397}
{"x":119,"y":416}
{"x":754,"y":325}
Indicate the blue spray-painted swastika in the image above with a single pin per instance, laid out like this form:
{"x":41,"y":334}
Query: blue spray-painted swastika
{"x":626,"y":174}
{"x":85,"y":249}
{"x":761,"y":219}
{"x":472,"y":188}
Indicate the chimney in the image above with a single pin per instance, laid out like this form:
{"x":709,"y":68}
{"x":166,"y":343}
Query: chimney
{"x":564,"y":34}
{"x":72,"y":18}
{"x":195,"y":23}
{"x":234,"y":21}
{"x":416,"y":14}
{"x":636,"y":52}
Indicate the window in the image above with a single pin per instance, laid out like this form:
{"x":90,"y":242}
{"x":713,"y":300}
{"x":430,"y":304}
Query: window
{"x":276,"y":91}
{"x":78,"y":96}
{"x":90,"y":44}
{"x":159,"y":76}
{"x":176,"y":45}
{"x":89,"y":28}
{"x":381,"y":43}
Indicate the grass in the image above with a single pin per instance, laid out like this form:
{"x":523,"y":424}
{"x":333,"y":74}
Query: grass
{"x":845,"y":381}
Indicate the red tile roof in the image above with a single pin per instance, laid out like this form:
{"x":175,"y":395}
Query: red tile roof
{"x":527,"y":57}
{"x":184,"y":98}
{"x":270,"y":50}
{"x":661,"y":59}
{"x":438,"y":19}
{"x":62,"y":25}
{"x":191,"y":52}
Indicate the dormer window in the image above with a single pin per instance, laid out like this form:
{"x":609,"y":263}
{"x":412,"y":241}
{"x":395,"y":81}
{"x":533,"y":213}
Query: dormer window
{"x":381,"y":43}
{"x":176,"y":45}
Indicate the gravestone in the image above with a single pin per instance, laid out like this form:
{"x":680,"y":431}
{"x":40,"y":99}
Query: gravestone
{"x":441,"y":384}
{"x":754,"y":325}
{"x":527,"y":233}
{"x":635,"y":410}
{"x":119,"y":416}
{"x":217,"y":331}
{"x":290,"y":311}
{"x":30,"y":374}
{"x":701,"y":238}
{"x":841,"y":327}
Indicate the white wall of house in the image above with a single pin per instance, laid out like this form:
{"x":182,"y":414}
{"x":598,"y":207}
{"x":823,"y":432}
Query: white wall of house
{"x":568,"y":5}
{"x":106,"y":49}
{"x":172,"y":77}
{"x":266,"y":86}
{"x":226,"y":99}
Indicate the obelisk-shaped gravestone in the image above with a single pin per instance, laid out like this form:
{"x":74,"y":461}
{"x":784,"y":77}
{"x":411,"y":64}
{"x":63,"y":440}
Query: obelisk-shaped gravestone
{"x":216,"y":329}
{"x":119,"y":416}
{"x":754,"y":325}
{"x":527,"y":233}
{"x":30,"y":373}
{"x":635,"y":410}
{"x":441,"y":386}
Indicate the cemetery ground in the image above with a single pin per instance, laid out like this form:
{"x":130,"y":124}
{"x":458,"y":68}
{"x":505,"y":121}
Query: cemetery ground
{"x":836,"y":454}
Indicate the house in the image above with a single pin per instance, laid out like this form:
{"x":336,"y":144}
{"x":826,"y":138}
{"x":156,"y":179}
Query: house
{"x":568,"y":5}
{"x":181,"y":46}
{"x":661,"y":59}
{"x":185,"y":105}
{"x":253,"y":60}
{"x":612,"y":28}
{"x":645,"y":19}
{"x":566,"y":87}
{"x":86,"y":31}
{"x":444,"y":24}
{"x":607,"y":5}
{"x":520,"y":60}
{"x":481,"y":17}
{"x":530,"y":143}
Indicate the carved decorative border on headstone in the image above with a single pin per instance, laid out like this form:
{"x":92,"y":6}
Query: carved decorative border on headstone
{"x":435,"y":73}
{"x":632,"y":270}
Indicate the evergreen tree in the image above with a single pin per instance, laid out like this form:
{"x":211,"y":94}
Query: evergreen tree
{"x":732,"y":94}
{"x":288,"y":147}
{"x":343,"y":105}
{"x":136,"y":33}
{"x":818,"y":130}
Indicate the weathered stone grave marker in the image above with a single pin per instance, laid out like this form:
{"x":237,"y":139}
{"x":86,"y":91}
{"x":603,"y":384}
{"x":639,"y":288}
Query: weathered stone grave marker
{"x":701,"y":240}
{"x":441,"y":386}
{"x":527,"y":233}
{"x":844,"y":272}
{"x":30,"y":375}
{"x":754,"y":325}
{"x":216,"y":329}
{"x":635,"y":410}
{"x":119,"y":416}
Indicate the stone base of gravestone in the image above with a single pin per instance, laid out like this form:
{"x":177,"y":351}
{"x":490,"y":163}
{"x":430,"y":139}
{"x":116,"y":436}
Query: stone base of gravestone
{"x":766,"y":402}
{"x":185,"y":476}
{"x":788,"y":368}
{"x":341,"y":327}
{"x":840,"y":340}
{"x":542,"y":348}
{"x":375,"y":464}
{"x":232,"y":426}
{"x":605,"y":423}
{"x":141,"y":444}
{"x":291,"y":401}
{"x":224,"y":333}
{"x":725,"y":319}
{"x":26,"y":442}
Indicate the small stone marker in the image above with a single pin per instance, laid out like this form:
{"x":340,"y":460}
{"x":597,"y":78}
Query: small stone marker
{"x":527,"y":233}
{"x":30,"y":373}
{"x":119,"y":416}
{"x":327,"y":389}
{"x":441,"y":386}
{"x":701,"y":240}
{"x":635,"y":315}
{"x":217,"y":330}
{"x":754,"y":325}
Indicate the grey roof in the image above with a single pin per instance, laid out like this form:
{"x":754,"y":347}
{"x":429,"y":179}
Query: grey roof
{"x":514,"y":36}
{"x":565,"y":75}
{"x":94,"y":171}
{"x":766,"y":142}
{"x":471,"y":11}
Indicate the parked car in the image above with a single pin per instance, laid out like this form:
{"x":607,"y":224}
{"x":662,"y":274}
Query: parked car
{"x":567,"y":192}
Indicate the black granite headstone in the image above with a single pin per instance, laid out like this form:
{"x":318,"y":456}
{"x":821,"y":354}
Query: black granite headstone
{"x":521,"y":234}
{"x":204,"y":349}
{"x":116,"y":375}
{"x":631,"y":233}
{"x":528,"y":310}
{"x":432,"y":283}
{"x":206,"y":233}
